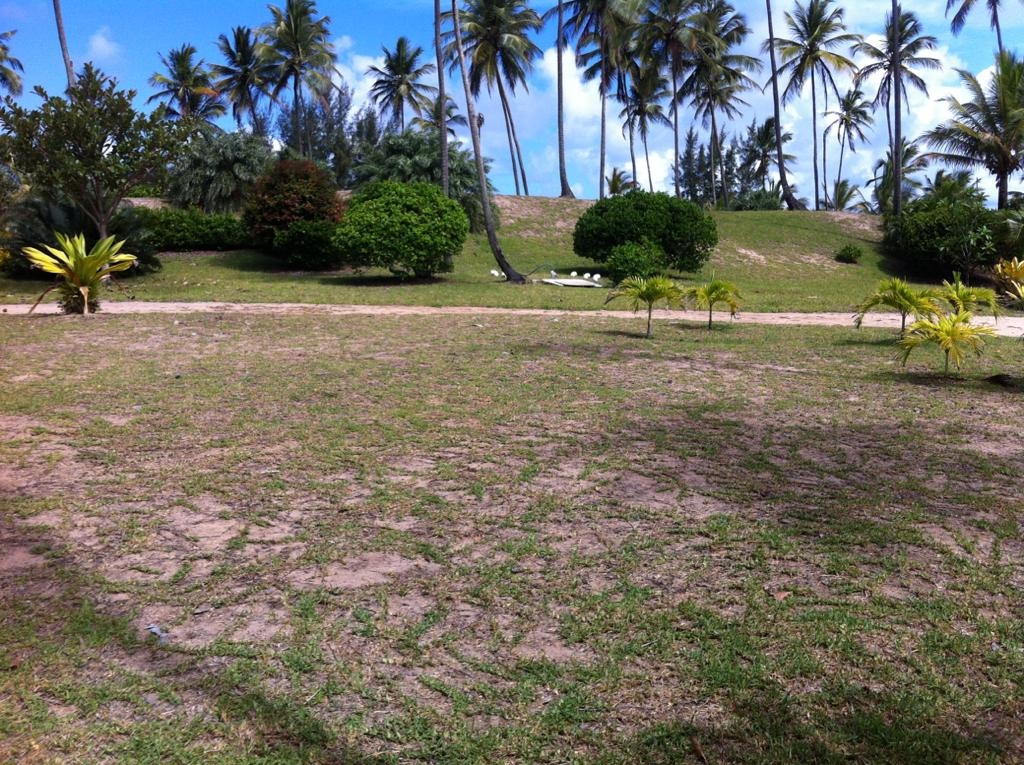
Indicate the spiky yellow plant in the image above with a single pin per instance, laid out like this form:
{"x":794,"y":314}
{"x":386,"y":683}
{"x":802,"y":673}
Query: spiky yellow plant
{"x":648,"y":292}
{"x":952,"y":332}
{"x":896,"y":293}
{"x":711,"y":293}
{"x":81,"y":272}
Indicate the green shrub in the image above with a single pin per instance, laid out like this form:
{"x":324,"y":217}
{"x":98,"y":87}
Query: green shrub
{"x":684,"y":232}
{"x":291,"y":190}
{"x":638,"y":259}
{"x":171,"y":230}
{"x":308,"y":245}
{"x":215,"y":171}
{"x":942,"y":236}
{"x":849,"y":253}
{"x":758,"y":199}
{"x":409,"y":228}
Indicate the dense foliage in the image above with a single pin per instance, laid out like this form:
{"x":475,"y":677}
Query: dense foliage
{"x":172,"y":230}
{"x":685,"y":233}
{"x":216,"y":170}
{"x":642,"y":259}
{"x":308,"y":245}
{"x":408,"y":228}
{"x":941,"y":236}
{"x":289,"y":191}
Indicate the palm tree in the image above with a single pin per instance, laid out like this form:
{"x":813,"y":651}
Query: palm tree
{"x":63,"y":40}
{"x":561,"y":42}
{"x":620,"y":182}
{"x":298,"y":47}
{"x":780,"y":160}
{"x":851,"y":117}
{"x":496,"y":35}
{"x":432,"y":119}
{"x":966,"y":6}
{"x":716,"y":76}
{"x":398,"y":82}
{"x":647,"y":89}
{"x":817,"y":28}
{"x":245,"y":75}
{"x":711,"y":293}
{"x":843,"y":195}
{"x":964,"y":298}
{"x":10,"y":80}
{"x":187,"y":87}
{"x":441,"y":102}
{"x":952,"y":332}
{"x":511,"y":274}
{"x":896,"y":293}
{"x":761,"y":149}
{"x":648,"y":292}
{"x":888,"y":174}
{"x":905,"y":54}
{"x":988,"y":129}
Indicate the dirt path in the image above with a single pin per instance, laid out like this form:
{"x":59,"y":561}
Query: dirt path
{"x":1012,"y":326}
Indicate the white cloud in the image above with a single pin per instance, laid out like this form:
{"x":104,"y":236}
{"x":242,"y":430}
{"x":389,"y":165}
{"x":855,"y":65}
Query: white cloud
{"x":103,"y":49}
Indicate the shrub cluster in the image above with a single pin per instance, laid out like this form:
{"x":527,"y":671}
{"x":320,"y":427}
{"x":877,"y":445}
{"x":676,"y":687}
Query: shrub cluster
{"x":849,"y":253}
{"x":408,"y":228}
{"x":171,"y":230}
{"x":642,"y":259}
{"x":685,"y":234}
{"x":290,"y":191}
{"x":308,"y":245}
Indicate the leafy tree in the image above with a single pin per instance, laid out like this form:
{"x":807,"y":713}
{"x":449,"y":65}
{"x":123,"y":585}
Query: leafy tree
{"x":397,"y":84}
{"x":711,"y":293}
{"x":81,"y":272}
{"x":245,"y":77}
{"x":187,"y":87}
{"x":91,"y":146}
{"x":758,"y":150}
{"x":215,"y":172}
{"x":288,"y":191}
{"x":10,"y":80}
{"x":952,"y":332}
{"x":896,"y":293}
{"x":648,"y":292}
{"x":326,"y":132}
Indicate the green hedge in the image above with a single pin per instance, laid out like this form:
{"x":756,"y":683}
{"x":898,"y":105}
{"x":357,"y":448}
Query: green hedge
{"x":170,"y":230}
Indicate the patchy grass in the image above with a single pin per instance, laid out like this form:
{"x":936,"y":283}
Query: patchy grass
{"x":455,"y":539}
{"x":779,"y":260}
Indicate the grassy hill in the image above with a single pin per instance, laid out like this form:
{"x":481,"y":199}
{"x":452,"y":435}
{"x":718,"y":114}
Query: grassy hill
{"x":779,"y":260}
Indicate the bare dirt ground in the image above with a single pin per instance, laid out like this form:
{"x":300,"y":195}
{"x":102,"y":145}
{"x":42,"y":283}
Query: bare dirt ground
{"x":1012,"y":326}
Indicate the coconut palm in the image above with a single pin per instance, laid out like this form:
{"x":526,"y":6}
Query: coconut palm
{"x":10,"y":80}
{"x":432,"y":119}
{"x":987,"y":130}
{"x":760,"y":149}
{"x":397,"y":84}
{"x":649,"y":292}
{"x":851,"y":116}
{"x":966,"y":6}
{"x":780,"y":159}
{"x":297,"y":44}
{"x":648,"y":88}
{"x":905,"y":55}
{"x":561,"y":43}
{"x":187,"y":87}
{"x":817,"y":29}
{"x":886,"y":172}
{"x":245,"y":76}
{"x":843,"y":195}
{"x":711,"y":293}
{"x":620,"y":182}
{"x":441,"y":102}
{"x":896,"y":293}
{"x":952,"y":332}
{"x":81,"y":273}
{"x":69,"y":68}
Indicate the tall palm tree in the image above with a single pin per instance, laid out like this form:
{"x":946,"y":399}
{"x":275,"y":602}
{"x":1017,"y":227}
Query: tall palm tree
{"x":780,"y":160}
{"x":398,"y":82}
{"x":561,"y":43}
{"x":987,"y":130}
{"x":851,"y":117}
{"x":245,"y":76}
{"x":433,"y":117}
{"x":817,"y":29}
{"x":908,"y":50}
{"x":966,"y":6}
{"x":890,"y":175}
{"x":187,"y":87}
{"x":600,"y":28}
{"x":716,"y":75}
{"x":667,"y":31}
{"x":63,"y":40}
{"x":298,"y":46}
{"x":644,"y":108}
{"x":496,"y":34}
{"x":761,"y":149}
{"x":10,"y":80}
{"x":441,"y":102}
{"x":511,"y":274}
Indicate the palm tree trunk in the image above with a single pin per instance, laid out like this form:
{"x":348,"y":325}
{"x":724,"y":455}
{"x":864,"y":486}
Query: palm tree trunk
{"x":814,"y":141}
{"x":508,"y":132}
{"x":787,"y":193}
{"x":824,"y":155}
{"x":675,"y":133}
{"x":650,"y":310}
{"x":647,"y":156}
{"x":897,"y":118}
{"x":604,"y":122}
{"x":68,"y":67}
{"x":485,"y":200}
{"x":714,"y":145}
{"x":515,"y":142}
{"x":296,"y":108}
{"x":999,"y":33}
{"x":442,"y":97}
{"x":632,"y":151}
{"x":842,"y":149}
{"x":563,"y":177}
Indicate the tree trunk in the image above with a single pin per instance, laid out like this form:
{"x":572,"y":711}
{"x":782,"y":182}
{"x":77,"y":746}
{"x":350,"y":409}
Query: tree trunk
{"x":787,"y":193}
{"x":600,"y":174}
{"x":824,"y":154}
{"x":814,"y":140}
{"x":68,"y":66}
{"x":647,"y":156}
{"x":714,"y":141}
{"x":515,"y":137}
{"x":485,"y":200}
{"x":839,"y":173}
{"x":632,"y":153}
{"x":508,"y":133}
{"x":442,"y":97}
{"x":563,"y":177}
{"x":675,"y":133}
{"x":897,"y":117}
{"x":296,"y":108}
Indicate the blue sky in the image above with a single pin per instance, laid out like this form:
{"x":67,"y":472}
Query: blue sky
{"x":125,"y":38}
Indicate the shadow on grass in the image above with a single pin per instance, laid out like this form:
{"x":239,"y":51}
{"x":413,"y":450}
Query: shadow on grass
{"x":375,"y":280}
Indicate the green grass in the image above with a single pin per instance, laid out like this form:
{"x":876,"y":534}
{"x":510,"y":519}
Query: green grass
{"x":465,"y":539}
{"x":779,"y":260}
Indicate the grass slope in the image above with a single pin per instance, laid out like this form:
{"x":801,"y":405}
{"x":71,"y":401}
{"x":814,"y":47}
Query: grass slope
{"x":779,"y":260}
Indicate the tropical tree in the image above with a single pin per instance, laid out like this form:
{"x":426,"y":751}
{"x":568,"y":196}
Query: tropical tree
{"x":81,"y":272}
{"x":187,"y":87}
{"x":952,"y":332}
{"x":889,"y":174}
{"x":298,"y":48}
{"x":711,"y":293}
{"x":817,"y":28}
{"x":780,"y":161}
{"x":647,"y":90}
{"x":987,"y":130}
{"x":648,"y":292}
{"x":965,"y":298}
{"x":441,"y":102}
{"x":245,"y":76}
{"x":966,"y":6}
{"x":69,"y":69}
{"x":214,"y":172}
{"x":496,"y":34}
{"x":432,"y":117}
{"x":561,"y":43}
{"x":620,"y":182}
{"x":398,"y":85}
{"x":760,"y":149}
{"x":851,"y":117}
{"x":897,"y":294}
{"x":843,"y":195}
{"x":10,"y":80}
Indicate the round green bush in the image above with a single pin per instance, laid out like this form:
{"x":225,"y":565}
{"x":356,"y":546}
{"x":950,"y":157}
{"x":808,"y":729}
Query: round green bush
{"x":291,"y":190}
{"x":408,"y":228}
{"x":639,"y":259}
{"x":684,"y":232}
{"x":308,"y":245}
{"x":942,"y":236}
{"x":849,"y":253}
